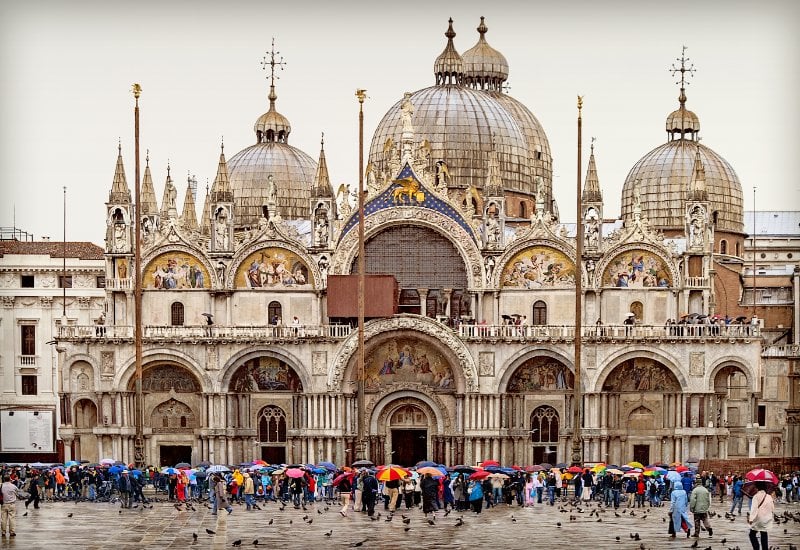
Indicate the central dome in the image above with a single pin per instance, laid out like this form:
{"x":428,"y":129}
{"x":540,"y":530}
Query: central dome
{"x":465,"y":116}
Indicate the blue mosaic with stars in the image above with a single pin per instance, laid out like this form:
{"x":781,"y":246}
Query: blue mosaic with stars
{"x":386,"y":200}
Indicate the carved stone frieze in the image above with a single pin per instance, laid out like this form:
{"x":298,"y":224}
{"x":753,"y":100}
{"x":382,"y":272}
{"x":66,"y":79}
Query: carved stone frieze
{"x":319,"y":363}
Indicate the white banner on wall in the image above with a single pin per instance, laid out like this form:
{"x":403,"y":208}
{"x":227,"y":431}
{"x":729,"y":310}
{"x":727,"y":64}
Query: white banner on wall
{"x":26,"y":431}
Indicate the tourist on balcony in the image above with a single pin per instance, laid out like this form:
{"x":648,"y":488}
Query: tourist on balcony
{"x":630,"y":320}
{"x":100,"y":329}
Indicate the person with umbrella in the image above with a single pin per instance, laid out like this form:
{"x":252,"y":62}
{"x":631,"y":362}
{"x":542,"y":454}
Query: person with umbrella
{"x":369,"y":492}
{"x":430,"y":491}
{"x":345,"y":488}
{"x":760,"y":516}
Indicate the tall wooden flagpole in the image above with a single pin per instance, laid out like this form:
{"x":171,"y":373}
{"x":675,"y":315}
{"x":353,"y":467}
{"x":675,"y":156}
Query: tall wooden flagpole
{"x":361,"y":444}
{"x":577,"y":406}
{"x":139,"y":454}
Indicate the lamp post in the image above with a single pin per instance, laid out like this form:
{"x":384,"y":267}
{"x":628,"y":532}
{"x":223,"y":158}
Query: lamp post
{"x":138,"y":447}
{"x":360,"y":445}
{"x":577,"y":444}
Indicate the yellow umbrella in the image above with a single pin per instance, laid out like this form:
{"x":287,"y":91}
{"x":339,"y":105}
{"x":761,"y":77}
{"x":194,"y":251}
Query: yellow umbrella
{"x":392,"y":473}
{"x":635,"y":464}
{"x":598,"y":468}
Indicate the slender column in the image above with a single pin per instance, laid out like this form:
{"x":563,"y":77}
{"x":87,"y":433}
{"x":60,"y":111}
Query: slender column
{"x":423,"y":301}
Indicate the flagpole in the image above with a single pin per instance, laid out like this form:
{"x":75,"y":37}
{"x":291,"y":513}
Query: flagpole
{"x":577,"y":443}
{"x":139,"y":451}
{"x":361,"y":445}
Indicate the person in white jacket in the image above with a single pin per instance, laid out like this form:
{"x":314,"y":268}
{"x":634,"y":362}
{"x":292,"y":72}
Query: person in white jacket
{"x":762,"y":508}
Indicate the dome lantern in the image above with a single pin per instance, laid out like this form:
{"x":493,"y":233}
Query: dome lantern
{"x":683,"y":123}
{"x":484,"y":67}
{"x":272,"y":126}
{"x":449,"y":66}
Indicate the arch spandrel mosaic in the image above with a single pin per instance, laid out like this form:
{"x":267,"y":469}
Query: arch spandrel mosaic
{"x":165,"y":378}
{"x":407,"y":360}
{"x":175,"y":271}
{"x":265,"y":374}
{"x":541,"y":374}
{"x":637,"y":269}
{"x":539,"y":267}
{"x":273,"y":268}
{"x":641,"y":374}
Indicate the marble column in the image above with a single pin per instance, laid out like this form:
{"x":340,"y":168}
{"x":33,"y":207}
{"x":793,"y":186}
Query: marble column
{"x":423,"y":301}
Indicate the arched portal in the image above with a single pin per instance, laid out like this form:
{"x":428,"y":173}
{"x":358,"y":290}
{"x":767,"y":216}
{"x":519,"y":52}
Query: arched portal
{"x":272,"y":434}
{"x":85,"y":419}
{"x":404,"y":426}
{"x":733,"y":397}
{"x":408,"y":429}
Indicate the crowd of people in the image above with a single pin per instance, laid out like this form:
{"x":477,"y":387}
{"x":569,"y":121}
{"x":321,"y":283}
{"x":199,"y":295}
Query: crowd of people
{"x":433,"y":488}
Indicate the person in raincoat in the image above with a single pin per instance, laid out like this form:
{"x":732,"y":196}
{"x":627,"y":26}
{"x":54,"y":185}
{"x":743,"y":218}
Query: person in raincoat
{"x":430,"y":491}
{"x":475,"y":491}
{"x":679,"y":502}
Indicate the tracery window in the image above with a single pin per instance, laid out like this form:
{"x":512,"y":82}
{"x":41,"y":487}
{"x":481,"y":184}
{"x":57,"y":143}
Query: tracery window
{"x":544,"y":425}
{"x":272,"y":425}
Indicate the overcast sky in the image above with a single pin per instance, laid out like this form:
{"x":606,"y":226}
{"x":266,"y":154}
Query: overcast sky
{"x":68,"y":67}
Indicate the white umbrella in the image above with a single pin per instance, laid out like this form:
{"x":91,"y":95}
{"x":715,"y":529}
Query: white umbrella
{"x":107,"y":461}
{"x":217,"y":468}
{"x":672,"y":475}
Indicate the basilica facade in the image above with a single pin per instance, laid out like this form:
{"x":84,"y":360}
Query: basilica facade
{"x":241,"y":359}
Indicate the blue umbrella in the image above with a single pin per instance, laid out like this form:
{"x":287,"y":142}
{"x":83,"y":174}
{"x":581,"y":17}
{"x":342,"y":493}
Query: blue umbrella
{"x":72,"y":463}
{"x":672,"y":475}
{"x":426,"y":464}
{"x":169,"y":471}
{"x":327,"y":465}
{"x":115,"y":469}
{"x":136,"y":473}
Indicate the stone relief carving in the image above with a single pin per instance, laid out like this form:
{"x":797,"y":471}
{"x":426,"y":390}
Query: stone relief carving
{"x":107,"y":362}
{"x":697,"y":363}
{"x":8,"y":280}
{"x":319,"y":363}
{"x":47,"y":281}
{"x":212,"y":358}
{"x":486,"y":363}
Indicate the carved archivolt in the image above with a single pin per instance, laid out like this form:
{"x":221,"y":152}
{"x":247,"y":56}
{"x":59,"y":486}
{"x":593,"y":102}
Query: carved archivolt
{"x":385,"y":406}
{"x":405,"y":323}
{"x":347,"y":249}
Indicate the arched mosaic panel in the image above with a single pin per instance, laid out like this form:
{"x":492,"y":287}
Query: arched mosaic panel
{"x":539,"y":267}
{"x":273,"y":268}
{"x":641,"y":374}
{"x":637,"y":269}
{"x":265,"y":374}
{"x":541,"y":373}
{"x":175,"y":271}
{"x":402,"y":360}
{"x":164,"y":378}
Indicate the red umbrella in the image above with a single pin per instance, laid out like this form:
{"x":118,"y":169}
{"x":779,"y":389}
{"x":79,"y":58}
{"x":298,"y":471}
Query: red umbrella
{"x":340,"y":477}
{"x":759,"y":474}
{"x":295,"y":472}
{"x":575,"y":469}
{"x":490,"y":463}
{"x":681,"y":468}
{"x":480,"y":474}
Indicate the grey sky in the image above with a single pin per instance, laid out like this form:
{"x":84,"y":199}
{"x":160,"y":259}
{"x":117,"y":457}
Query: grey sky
{"x":68,"y":66}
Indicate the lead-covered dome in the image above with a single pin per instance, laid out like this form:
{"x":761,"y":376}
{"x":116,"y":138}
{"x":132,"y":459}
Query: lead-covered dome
{"x":464,"y":121}
{"x":292,"y":171}
{"x":662,"y":178}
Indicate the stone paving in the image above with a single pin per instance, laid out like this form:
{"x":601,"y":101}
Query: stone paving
{"x":93,"y":526}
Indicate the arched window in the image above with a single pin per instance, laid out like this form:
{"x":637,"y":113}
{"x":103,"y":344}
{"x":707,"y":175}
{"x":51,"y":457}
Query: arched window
{"x":176,"y":314}
{"x":274,"y":313}
{"x":272,"y":425}
{"x":522,"y":210}
{"x":544,"y":434}
{"x":723,"y":246}
{"x":539,"y":313}
{"x":738,"y":250}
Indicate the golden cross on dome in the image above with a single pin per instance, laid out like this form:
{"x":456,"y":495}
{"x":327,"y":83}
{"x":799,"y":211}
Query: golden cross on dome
{"x":683,"y":68}
{"x":274,"y":61}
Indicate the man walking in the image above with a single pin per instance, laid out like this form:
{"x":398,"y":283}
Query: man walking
{"x":9,"y":508}
{"x":737,"y":494}
{"x":124,"y":485}
{"x":699,"y":503}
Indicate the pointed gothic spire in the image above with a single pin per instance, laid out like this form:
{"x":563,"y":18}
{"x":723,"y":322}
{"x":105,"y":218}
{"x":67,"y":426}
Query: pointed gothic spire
{"x":120,"y":193}
{"x":168,"y":203}
{"x":221,"y":190}
{"x":322,"y":183}
{"x":697,"y":186}
{"x":189,"y":214}
{"x":149,"y":204}
{"x":205,"y":222}
{"x":591,"y":187}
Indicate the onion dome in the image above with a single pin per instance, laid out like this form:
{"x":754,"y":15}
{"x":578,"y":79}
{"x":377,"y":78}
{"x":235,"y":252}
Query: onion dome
{"x":292,"y":171}
{"x":449,"y":66}
{"x":484,"y":67}
{"x":664,"y":177}
{"x":459,"y":123}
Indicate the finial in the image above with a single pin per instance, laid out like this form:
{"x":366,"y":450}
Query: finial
{"x":222,"y":144}
{"x":167,"y":168}
{"x":482,"y":28}
{"x":119,"y":145}
{"x":361,"y":95}
{"x":683,"y":70}
{"x":580,"y":103}
{"x":147,"y":157}
{"x":592,"y":145}
{"x":450,"y":34}
{"x":322,"y":141}
{"x":273,"y":62}
{"x":137,"y":90}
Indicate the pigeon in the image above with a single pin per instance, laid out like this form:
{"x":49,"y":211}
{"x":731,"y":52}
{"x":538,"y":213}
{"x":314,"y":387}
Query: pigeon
{"x":270,"y":521}
{"x":194,"y":537}
{"x":631,"y":535}
{"x":694,"y":545}
{"x":329,"y":533}
{"x":459,"y":522}
{"x":290,"y":522}
{"x":255,"y":542}
{"x":723,"y":541}
{"x":406,"y":520}
{"x":636,"y":537}
{"x":406,"y":529}
{"x":388,"y":518}
{"x":319,"y":511}
{"x":237,"y":542}
{"x":558,"y":524}
{"x":120,"y":511}
{"x":447,"y":512}
{"x":617,"y":538}
{"x":210,"y":532}
{"x":431,"y":522}
{"x":599,"y":520}
{"x":25,"y":514}
{"x":357,"y":544}
{"x":310,"y":521}
{"x":513,"y":519}
{"x":305,"y":517}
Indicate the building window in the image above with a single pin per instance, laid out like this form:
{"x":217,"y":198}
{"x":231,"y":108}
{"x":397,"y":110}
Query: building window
{"x":723,"y":246}
{"x":101,"y":281}
{"x":176,"y":313}
{"x":762,"y":415}
{"x":65,"y":281}
{"x":274,"y":313}
{"x":738,"y":250}
{"x":27,"y":281}
{"x":28,"y":341}
{"x":539,"y":313}
{"x":522,"y":212}
{"x":29,"y":384}
{"x":272,"y":425}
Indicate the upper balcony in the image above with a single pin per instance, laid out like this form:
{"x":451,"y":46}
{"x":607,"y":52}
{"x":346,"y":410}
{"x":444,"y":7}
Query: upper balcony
{"x":156,"y":333}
